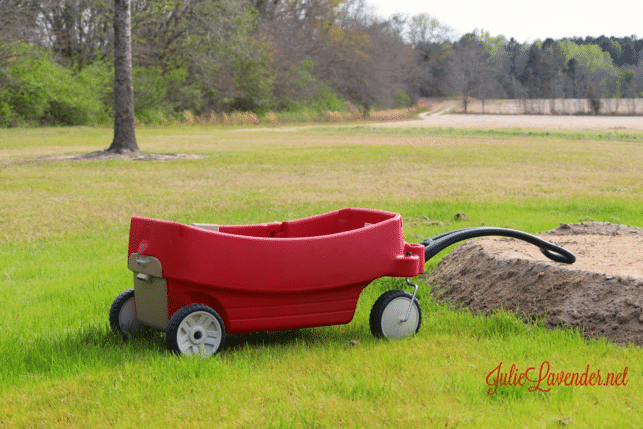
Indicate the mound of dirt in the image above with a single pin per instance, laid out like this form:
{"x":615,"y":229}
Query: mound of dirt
{"x":601,"y":294}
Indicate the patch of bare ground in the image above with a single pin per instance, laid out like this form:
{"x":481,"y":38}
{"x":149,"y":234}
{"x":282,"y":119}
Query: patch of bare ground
{"x":105,"y":155}
{"x":523,"y":121}
{"x":601,"y":294}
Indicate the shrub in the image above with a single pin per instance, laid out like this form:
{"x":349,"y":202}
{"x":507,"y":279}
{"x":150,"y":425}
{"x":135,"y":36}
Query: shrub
{"x":189,"y":117}
{"x":353,"y":112}
{"x":40,"y":91}
{"x":401,"y":99}
{"x":271,"y":118}
{"x":212,"y":119}
{"x":244,"y":118}
{"x":594,"y":101}
{"x":327,"y":101}
{"x":152,"y":91}
{"x":293,"y":116}
{"x":8,"y":117}
{"x":422,"y":106}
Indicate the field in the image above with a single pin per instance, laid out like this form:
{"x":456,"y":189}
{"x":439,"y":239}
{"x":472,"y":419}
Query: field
{"x":63,"y":247}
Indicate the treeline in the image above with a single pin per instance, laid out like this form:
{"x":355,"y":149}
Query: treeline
{"x":492,"y":67}
{"x":205,"y":56}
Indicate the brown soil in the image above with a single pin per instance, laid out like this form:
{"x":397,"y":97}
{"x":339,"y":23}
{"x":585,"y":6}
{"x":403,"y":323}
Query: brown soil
{"x":103,"y":155}
{"x":601,"y":294}
{"x":134,"y":156}
{"x":548,"y":122}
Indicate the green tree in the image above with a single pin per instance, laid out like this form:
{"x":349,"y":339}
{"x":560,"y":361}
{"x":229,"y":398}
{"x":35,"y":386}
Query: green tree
{"x":539,"y":73}
{"x":625,"y":82}
{"x":224,"y":65}
{"x":491,"y":45}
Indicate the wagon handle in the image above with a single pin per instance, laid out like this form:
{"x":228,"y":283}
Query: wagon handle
{"x":433,"y":245}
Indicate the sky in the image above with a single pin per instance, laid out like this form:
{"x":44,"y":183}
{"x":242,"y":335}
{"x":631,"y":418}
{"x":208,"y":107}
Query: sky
{"x":528,"y":20}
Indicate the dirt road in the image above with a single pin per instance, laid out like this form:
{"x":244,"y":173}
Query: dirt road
{"x":440,"y":117}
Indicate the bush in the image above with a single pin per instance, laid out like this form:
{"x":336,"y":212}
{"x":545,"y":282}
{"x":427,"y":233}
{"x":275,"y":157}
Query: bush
{"x":8,"y":117}
{"x":244,"y":118}
{"x":594,"y":101}
{"x":271,"y":118}
{"x":38,"y":91}
{"x":401,"y":99}
{"x":294,"y":116}
{"x":152,"y":88}
{"x":327,"y":101}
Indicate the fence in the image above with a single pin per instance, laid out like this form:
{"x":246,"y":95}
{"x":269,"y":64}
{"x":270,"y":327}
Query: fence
{"x":578,"y":106}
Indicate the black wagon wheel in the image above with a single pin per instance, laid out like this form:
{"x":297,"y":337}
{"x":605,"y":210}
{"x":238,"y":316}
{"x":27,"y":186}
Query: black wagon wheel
{"x":195,"y":329}
{"x":122,"y":315}
{"x":388,"y":314}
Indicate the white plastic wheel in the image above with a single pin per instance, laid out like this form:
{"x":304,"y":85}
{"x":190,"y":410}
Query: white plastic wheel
{"x":388,"y":312}
{"x":196,"y":329}
{"x":122,"y":315}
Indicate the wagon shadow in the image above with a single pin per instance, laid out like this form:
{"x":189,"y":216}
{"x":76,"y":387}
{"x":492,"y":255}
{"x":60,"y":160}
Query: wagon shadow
{"x":293,"y":338}
{"x":106,"y":342}
{"x":103,"y":339}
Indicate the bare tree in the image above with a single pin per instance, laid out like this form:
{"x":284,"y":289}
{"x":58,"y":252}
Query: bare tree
{"x":430,"y":40}
{"x":6,"y":9}
{"x":348,"y":49}
{"x":470,"y":72}
{"x":425,"y":29}
{"x":355,"y":12}
{"x":76,"y":31}
{"x":124,"y":135}
{"x":16,"y":18}
{"x":398,"y":24}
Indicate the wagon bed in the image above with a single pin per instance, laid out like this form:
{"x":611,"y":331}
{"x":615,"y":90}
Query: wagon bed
{"x":270,"y":276}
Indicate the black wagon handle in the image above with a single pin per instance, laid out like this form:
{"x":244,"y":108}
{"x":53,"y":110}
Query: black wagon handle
{"x":440,"y":242}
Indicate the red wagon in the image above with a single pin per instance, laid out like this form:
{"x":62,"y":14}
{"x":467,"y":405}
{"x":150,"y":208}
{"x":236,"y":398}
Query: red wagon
{"x":200,"y":282}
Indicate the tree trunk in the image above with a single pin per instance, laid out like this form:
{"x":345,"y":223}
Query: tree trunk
{"x":124,"y":136}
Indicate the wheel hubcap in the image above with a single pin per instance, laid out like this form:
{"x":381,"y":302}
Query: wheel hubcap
{"x":199,"y":332}
{"x":392,"y":327}
{"x":197,"y":335}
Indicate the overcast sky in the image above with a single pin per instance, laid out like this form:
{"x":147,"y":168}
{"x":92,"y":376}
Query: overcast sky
{"x":528,"y":20}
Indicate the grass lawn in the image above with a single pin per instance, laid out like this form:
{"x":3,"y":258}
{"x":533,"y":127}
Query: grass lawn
{"x":63,"y":248}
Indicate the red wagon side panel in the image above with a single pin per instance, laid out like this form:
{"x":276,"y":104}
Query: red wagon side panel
{"x":306,"y":272}
{"x":271,"y":312}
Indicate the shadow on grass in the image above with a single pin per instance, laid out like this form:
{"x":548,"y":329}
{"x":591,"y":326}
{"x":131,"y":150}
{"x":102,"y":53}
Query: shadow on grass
{"x":311,"y":337}
{"x":98,"y":346}
{"x":153,"y":341}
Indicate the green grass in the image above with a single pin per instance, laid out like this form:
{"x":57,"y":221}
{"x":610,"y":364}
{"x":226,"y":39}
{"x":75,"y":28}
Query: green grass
{"x":497,"y":133}
{"x":63,"y":247}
